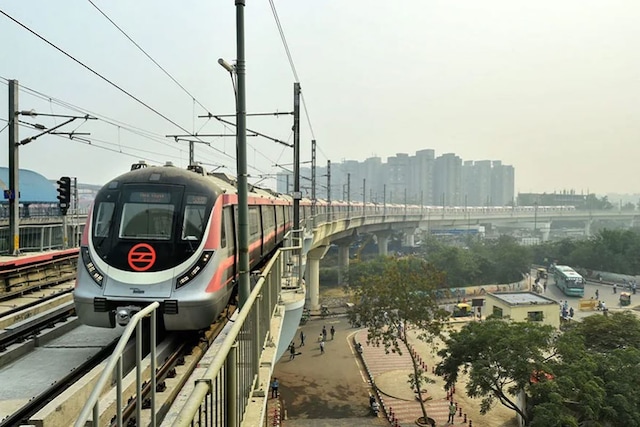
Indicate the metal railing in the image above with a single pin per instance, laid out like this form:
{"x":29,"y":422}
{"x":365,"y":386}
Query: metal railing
{"x":115,"y":362}
{"x":221,"y":395}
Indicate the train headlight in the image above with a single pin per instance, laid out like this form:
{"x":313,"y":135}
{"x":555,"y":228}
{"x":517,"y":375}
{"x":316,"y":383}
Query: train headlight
{"x":195,"y":270}
{"x":95,"y":274}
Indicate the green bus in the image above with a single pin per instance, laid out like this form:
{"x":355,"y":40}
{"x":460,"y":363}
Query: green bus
{"x":570,"y":282}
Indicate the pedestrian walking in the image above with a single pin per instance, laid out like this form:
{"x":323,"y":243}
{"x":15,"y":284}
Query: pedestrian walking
{"x":452,"y":412}
{"x":292,"y":351}
{"x":322,"y":347}
{"x":274,"y":387}
{"x":597,"y":295}
{"x":324,"y":333}
{"x":333,"y":332}
{"x":614,"y":288}
{"x":571,"y":312}
{"x":301,"y":339}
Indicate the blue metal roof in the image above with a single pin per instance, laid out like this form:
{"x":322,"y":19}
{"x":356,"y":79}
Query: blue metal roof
{"x":34,"y":188}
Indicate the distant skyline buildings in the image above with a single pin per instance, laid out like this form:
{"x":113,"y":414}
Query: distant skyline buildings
{"x":414,"y":179}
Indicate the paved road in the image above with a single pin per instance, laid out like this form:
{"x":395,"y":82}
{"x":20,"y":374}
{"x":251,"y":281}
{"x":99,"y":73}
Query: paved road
{"x":327,"y":389}
{"x":605,"y":293}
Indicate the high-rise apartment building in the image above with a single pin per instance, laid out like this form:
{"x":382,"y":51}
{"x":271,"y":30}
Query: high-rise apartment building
{"x":422,"y":177}
{"x":447,"y":180}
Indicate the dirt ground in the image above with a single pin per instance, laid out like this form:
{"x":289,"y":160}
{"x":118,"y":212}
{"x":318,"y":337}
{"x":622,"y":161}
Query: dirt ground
{"x":498,"y":416}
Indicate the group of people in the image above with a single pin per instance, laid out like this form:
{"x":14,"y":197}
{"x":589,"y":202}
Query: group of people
{"x":323,"y":336}
{"x":321,"y":339}
{"x":629,"y":285}
{"x":567,"y":312}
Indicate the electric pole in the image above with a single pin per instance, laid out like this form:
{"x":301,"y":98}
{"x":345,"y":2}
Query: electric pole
{"x":329,"y":189}
{"x":244,"y":287}
{"x":364,"y":195}
{"x":349,"y":195}
{"x":14,"y":169}
{"x":296,"y":174}
{"x":384,"y":200}
{"x":313,"y":180}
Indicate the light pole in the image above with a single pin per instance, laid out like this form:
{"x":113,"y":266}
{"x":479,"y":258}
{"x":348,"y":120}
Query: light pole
{"x":239,"y":71}
{"x":535,"y":219}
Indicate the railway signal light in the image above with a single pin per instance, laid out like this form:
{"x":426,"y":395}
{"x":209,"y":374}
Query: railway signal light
{"x":64,"y":194}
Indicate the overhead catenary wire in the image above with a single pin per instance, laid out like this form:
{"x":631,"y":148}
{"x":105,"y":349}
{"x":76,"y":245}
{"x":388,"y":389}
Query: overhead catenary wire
{"x":68,"y":55}
{"x":148,"y":56}
{"x":96,"y":73}
{"x":117,"y":123}
{"x":294,"y":71}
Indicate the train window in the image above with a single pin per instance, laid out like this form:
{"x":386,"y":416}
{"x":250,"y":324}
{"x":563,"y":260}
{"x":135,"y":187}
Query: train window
{"x":193,"y":226}
{"x":226,"y":227}
{"x":147,"y":221}
{"x":194,"y":217}
{"x":103,"y":219}
{"x":254,"y":221}
{"x":223,"y":229}
{"x":268,"y":220}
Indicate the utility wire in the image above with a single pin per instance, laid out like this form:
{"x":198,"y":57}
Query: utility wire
{"x":147,"y":55}
{"x":293,"y":70}
{"x":111,"y":83}
{"x":68,"y":55}
{"x":284,"y":40}
{"x":117,"y":123}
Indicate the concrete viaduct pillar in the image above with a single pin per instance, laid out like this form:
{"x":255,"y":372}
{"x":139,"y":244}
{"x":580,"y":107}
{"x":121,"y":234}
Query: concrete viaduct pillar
{"x":383,"y":242}
{"x":313,"y":277}
{"x":409,"y":240}
{"x":587,"y":227}
{"x":343,"y":260}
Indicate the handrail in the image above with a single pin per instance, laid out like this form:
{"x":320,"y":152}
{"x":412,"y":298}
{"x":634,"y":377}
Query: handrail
{"x":201,"y":388}
{"x":106,"y":373}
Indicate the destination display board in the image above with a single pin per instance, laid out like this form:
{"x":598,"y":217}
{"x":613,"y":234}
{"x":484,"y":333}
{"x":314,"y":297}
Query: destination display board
{"x":150,"y":197}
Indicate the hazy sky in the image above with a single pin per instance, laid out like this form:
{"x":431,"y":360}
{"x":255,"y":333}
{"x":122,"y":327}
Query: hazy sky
{"x":551,"y":87}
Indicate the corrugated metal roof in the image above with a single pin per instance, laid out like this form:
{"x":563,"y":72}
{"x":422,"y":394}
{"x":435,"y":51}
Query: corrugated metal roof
{"x":34,"y":188}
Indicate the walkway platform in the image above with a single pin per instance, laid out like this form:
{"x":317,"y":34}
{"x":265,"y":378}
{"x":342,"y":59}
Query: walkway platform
{"x":390,"y":373}
{"x":332,"y":388}
{"x":28,"y":258}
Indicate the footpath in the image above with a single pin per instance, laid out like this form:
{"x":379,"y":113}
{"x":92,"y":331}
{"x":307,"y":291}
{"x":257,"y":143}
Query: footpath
{"x":305,"y":388}
{"x":390,"y":375}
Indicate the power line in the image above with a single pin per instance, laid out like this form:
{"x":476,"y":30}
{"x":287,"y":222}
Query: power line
{"x":68,"y":55}
{"x":293,"y":69}
{"x":114,"y":122}
{"x":284,"y":40}
{"x":111,"y":83}
{"x":147,"y":55}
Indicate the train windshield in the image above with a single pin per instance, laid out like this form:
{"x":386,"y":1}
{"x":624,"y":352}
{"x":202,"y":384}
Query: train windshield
{"x":147,"y":215}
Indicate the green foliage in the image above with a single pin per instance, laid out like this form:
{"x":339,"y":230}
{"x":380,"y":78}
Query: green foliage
{"x":593,"y":203}
{"x":393,"y":294}
{"x":499,"y":261}
{"x":499,"y":358}
{"x":329,"y":275}
{"x":596,"y":375}
{"x":609,"y":250}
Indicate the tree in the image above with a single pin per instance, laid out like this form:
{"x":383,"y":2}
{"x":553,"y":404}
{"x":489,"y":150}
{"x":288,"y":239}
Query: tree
{"x":393,"y":294}
{"x":595,"y":375}
{"x":500,"y":358}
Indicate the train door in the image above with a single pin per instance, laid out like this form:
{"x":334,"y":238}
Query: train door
{"x":229,"y":216}
{"x":255,"y":236}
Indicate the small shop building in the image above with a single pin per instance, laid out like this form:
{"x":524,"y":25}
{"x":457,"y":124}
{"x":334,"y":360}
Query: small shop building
{"x":523,"y":307}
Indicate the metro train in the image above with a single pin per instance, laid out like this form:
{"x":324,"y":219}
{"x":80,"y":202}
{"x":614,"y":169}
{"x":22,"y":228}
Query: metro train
{"x":169,"y":235}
